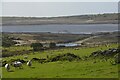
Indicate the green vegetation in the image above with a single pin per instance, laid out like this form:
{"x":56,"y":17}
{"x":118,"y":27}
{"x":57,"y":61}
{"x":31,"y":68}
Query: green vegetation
{"x":83,"y":67}
{"x":37,"y":46}
{"x":52,"y":45}
{"x":97,"y":57}
{"x":7,"y":41}
{"x":66,"y":69}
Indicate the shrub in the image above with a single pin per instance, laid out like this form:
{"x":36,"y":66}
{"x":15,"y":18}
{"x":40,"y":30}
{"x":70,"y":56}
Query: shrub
{"x":37,"y":46}
{"x":7,"y":42}
{"x":52,"y":45}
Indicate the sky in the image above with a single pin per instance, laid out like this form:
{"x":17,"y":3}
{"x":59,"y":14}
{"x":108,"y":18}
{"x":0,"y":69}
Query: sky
{"x":60,"y":0}
{"x":53,"y":9}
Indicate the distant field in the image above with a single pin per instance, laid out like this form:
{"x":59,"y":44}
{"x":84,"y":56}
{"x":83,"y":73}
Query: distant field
{"x":91,"y":68}
{"x":29,"y":38}
{"x":75,"y":19}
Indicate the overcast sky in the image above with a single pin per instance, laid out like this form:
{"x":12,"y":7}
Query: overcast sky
{"x":60,"y":0}
{"x":45,"y":9}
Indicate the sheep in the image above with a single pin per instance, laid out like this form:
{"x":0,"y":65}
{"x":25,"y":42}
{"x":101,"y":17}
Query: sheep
{"x":7,"y":66}
{"x":17,"y":64}
{"x":29,"y":63}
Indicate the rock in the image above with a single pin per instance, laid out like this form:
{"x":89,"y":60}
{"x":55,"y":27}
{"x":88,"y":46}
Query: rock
{"x":109,"y":52}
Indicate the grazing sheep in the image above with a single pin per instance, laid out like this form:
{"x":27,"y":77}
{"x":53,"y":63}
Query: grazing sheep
{"x":7,"y":67}
{"x":17,"y":64}
{"x":29,"y":63}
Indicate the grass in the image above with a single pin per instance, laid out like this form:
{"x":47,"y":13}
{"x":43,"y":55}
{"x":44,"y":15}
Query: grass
{"x":17,"y":48}
{"x":65,"y":69}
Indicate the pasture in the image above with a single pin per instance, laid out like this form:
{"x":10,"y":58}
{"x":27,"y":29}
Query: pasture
{"x":91,"y":68}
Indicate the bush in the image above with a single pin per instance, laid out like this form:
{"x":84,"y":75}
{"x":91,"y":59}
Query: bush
{"x":7,"y":42}
{"x":52,"y":45}
{"x":37,"y":46}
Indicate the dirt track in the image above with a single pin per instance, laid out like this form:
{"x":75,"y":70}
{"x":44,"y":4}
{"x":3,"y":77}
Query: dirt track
{"x":84,"y":40}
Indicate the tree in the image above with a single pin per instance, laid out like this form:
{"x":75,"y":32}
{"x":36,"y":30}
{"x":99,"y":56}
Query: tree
{"x":52,"y":45}
{"x":37,"y":46}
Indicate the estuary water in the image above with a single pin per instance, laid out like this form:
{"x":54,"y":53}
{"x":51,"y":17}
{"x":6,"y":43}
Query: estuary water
{"x":57,"y":28}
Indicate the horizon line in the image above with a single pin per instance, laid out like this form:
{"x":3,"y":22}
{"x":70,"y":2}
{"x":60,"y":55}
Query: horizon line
{"x":59,"y":15}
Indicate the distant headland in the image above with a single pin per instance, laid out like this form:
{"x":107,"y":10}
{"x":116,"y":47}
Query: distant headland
{"x":107,"y":18}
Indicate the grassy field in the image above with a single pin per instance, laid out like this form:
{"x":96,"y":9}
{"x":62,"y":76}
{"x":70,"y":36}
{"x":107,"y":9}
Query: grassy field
{"x":91,"y":68}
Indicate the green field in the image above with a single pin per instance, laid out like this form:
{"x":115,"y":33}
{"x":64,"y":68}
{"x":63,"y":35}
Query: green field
{"x":91,"y":68}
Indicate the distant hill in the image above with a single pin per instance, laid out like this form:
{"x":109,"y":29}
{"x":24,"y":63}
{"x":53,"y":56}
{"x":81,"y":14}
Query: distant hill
{"x":111,"y":18}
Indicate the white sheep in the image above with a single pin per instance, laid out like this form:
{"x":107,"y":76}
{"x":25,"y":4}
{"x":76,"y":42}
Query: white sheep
{"x":7,"y":67}
{"x":17,"y":64}
{"x":29,"y":63}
